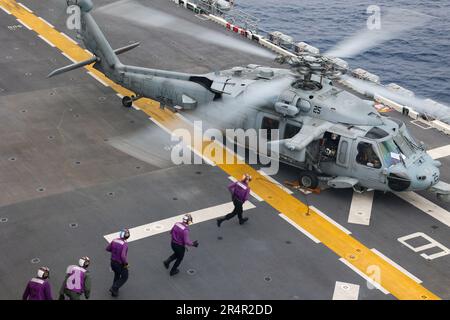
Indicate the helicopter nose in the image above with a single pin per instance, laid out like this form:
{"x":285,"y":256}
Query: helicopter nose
{"x":425,"y":177}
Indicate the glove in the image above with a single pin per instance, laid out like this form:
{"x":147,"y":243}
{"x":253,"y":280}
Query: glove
{"x":126,"y":265}
{"x":195,"y":243}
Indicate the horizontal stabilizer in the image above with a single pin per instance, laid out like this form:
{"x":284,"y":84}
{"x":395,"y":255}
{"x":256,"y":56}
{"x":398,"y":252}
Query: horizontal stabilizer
{"x":127,"y":48}
{"x":73,"y":66}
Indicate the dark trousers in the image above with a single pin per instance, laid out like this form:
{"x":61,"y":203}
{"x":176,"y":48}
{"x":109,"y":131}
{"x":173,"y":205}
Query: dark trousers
{"x":237,"y":211}
{"x":178,"y":255}
{"x":120,"y":275}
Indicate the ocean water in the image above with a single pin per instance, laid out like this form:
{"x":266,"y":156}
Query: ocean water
{"x":419,"y":61}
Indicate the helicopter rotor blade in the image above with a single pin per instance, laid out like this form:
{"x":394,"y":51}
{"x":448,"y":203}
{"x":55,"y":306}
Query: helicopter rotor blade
{"x":147,"y":17}
{"x":423,"y":106}
{"x":395,"y":23}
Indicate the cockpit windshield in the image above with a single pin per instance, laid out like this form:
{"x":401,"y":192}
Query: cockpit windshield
{"x":404,"y":143}
{"x":391,"y":153}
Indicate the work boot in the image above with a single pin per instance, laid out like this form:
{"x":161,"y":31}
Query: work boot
{"x":219,"y":222}
{"x":174,"y":272}
{"x":114,"y":293}
{"x":166,"y":264}
{"x":243,"y":220}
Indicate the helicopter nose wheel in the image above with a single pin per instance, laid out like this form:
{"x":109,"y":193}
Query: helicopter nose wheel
{"x":308,"y":180}
{"x":127,"y":102}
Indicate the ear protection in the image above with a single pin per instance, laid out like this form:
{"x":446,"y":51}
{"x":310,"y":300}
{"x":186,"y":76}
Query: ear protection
{"x":43,"y":272}
{"x":187,"y":218}
{"x":124,"y":234}
{"x":84,"y":262}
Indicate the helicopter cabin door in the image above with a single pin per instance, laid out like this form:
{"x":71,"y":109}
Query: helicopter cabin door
{"x":367,"y":164}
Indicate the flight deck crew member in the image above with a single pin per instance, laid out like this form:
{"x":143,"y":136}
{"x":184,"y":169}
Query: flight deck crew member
{"x":119,"y":261}
{"x":239,"y":194}
{"x":77,"y":281}
{"x":39,"y":288}
{"x":180,"y":239}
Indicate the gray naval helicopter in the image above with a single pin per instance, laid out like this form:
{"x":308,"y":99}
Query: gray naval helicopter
{"x":329,"y":133}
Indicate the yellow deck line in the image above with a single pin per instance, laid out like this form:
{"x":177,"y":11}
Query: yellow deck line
{"x":345,"y":246}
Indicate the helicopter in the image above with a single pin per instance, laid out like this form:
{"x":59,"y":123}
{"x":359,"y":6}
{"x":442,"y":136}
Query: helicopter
{"x":331,"y":134}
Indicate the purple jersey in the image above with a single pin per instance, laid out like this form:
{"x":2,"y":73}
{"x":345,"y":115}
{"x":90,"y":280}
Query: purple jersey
{"x":37,"y":289}
{"x":119,"y":250}
{"x":75,"y":280}
{"x":239,"y":190}
{"x":180,"y":234}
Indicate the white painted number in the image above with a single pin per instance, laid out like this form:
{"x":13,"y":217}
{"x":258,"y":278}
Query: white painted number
{"x":431,"y":244}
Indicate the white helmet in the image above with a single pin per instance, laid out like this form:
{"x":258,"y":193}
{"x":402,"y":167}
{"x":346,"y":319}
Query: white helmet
{"x":43,"y":272}
{"x":84,"y":262}
{"x":187,"y":218}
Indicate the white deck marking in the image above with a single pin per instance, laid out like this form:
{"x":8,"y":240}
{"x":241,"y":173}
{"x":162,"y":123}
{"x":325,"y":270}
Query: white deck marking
{"x":323,"y":215}
{"x":161,"y":226}
{"x":68,"y":57}
{"x":296,"y":226}
{"x":345,"y":291}
{"x":46,"y":41}
{"x":25,"y":7}
{"x":98,"y":79}
{"x":397,"y":266}
{"x":24,"y":24}
{"x":69,"y":38}
{"x":254,"y":195}
{"x":431,"y":244}
{"x":361,"y":208}
{"x":46,"y":22}
{"x":6,"y":11}
{"x":287,"y":190}
{"x":440,"y":152}
{"x":363,"y":275}
{"x":426,"y":206}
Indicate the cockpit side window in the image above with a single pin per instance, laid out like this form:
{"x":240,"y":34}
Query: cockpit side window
{"x":367,"y":156}
{"x":270,"y":124}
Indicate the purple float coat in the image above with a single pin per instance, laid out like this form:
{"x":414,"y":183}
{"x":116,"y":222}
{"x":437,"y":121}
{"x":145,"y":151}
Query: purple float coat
{"x":180,"y":234}
{"x":119,"y":250}
{"x":38,"y":289}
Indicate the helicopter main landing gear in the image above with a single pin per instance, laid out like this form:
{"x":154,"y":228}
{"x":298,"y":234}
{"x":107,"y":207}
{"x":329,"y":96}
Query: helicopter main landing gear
{"x":308,"y":179}
{"x":127,"y":101}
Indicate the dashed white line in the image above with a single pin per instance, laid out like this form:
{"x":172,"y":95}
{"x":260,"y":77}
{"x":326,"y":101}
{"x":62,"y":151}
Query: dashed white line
{"x":161,"y":226}
{"x":440,"y":152}
{"x":426,"y":206}
{"x":287,"y":190}
{"x":306,"y":233}
{"x":68,"y":57}
{"x":24,"y":24}
{"x":365,"y":276}
{"x":46,"y":22}
{"x":25,"y":7}
{"x":396,"y":265}
{"x":345,"y":291}
{"x":68,"y":38}
{"x":361,"y":208}
{"x":98,"y":79}
{"x":47,"y":41}
{"x":160,"y":125}
{"x":6,"y":11}
{"x":323,"y":215}
{"x":254,"y":195}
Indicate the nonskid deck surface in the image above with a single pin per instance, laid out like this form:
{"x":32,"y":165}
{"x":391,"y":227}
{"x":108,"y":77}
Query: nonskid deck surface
{"x":65,"y":186}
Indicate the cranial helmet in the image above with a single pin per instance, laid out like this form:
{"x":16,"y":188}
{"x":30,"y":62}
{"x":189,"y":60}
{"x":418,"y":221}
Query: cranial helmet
{"x":187,"y":218}
{"x":124,"y":234}
{"x":84,"y":262}
{"x":43,"y":272}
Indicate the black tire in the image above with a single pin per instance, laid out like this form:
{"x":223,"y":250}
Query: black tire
{"x":127,"y":102}
{"x":308,"y":180}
